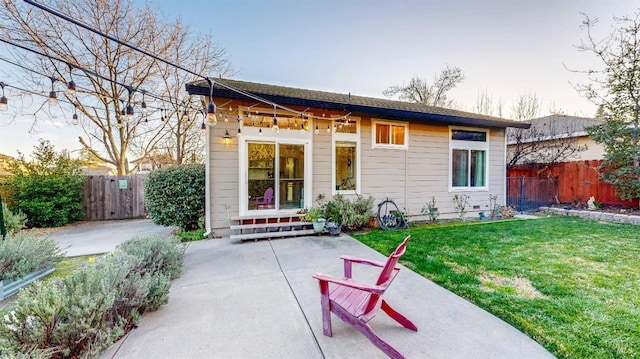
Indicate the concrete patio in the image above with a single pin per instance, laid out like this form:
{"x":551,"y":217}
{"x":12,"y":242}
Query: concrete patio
{"x":258,"y":300}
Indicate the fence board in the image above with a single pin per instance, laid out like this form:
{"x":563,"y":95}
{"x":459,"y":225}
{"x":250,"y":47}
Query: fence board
{"x":577,"y":181}
{"x":113,"y":197}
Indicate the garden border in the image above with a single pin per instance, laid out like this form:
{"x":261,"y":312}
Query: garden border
{"x":594,"y":215}
{"x":10,"y":287}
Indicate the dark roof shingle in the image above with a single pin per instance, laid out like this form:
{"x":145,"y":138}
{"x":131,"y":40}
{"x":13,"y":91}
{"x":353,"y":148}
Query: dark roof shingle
{"x":391,"y":109}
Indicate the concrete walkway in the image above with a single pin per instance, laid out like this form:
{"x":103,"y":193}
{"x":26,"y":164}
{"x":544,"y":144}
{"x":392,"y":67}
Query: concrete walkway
{"x":102,"y":237}
{"x":258,"y":300}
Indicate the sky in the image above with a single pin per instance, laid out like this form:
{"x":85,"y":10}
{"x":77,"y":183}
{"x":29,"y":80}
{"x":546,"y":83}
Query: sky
{"x":505,"y":48}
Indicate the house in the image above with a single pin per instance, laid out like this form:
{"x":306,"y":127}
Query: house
{"x":552,"y":139}
{"x":299,"y":144}
{"x":558,"y":163}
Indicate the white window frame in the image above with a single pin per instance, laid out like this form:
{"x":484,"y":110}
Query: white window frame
{"x":375,"y":122}
{"x":348,"y":137}
{"x":469,"y":145}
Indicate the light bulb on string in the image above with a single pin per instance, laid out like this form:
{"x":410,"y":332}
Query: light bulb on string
{"x":260,"y":132}
{"x":211,"y":113}
{"x":274,"y":123}
{"x":143,"y":106}
{"x":317,"y":130}
{"x":328,"y":128}
{"x":71,"y":86}
{"x":211,"y":107}
{"x":203,"y":127}
{"x":3,"y":100}
{"x":129,"y":112}
{"x":52,"y":95}
{"x":74,"y":118}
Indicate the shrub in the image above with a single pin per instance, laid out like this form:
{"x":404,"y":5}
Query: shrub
{"x":23,"y":254}
{"x":48,"y":189}
{"x":87,"y":311}
{"x":174,"y":196}
{"x":14,"y":221}
{"x":189,"y":236}
{"x":158,"y":254}
{"x":430,"y":210}
{"x":351,"y":215}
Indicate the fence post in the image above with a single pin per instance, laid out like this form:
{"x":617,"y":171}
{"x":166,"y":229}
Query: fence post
{"x":521,"y":199}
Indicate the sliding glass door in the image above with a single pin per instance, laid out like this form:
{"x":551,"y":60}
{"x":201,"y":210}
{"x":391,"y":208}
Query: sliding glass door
{"x":275,"y":176}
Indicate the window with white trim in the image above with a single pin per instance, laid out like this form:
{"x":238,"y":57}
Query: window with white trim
{"x":469,"y":160}
{"x":346,"y":157}
{"x":388,"y":134}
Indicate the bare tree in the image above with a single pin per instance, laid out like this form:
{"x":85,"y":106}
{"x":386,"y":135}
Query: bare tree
{"x":485,"y":105}
{"x":549,"y":140}
{"x":434,"y":93}
{"x":112,"y":78}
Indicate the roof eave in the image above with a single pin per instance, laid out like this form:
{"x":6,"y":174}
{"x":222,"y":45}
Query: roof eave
{"x":385,"y":112}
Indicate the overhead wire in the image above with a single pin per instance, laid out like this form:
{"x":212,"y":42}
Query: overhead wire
{"x":211,"y":81}
{"x":92,"y":73}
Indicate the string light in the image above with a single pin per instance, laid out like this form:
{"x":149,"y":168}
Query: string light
{"x":211,"y":110}
{"x":211,"y":107}
{"x":203,"y":127}
{"x":130,"y":112}
{"x":71,"y":86}
{"x":274,"y":125}
{"x":52,"y":94}
{"x":74,"y":119}
{"x":3,"y":100}
{"x":144,"y":105}
{"x":317,"y":130}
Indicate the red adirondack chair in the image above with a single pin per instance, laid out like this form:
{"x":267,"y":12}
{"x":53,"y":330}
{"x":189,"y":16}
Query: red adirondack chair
{"x":357,"y":303}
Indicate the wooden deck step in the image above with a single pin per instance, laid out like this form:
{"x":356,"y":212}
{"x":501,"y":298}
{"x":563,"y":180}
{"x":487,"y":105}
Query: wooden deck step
{"x":265,"y":235}
{"x":266,"y":216}
{"x":269,"y":225}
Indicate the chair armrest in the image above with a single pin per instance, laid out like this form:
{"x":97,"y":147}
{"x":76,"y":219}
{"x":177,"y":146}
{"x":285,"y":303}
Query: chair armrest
{"x":362,"y":261}
{"x":350,"y":283}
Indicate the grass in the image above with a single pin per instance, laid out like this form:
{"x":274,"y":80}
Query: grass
{"x":68,"y":264}
{"x":570,"y":284}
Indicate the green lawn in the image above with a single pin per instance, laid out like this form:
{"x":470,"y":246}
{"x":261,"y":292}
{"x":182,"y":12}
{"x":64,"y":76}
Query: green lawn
{"x":572,"y":285}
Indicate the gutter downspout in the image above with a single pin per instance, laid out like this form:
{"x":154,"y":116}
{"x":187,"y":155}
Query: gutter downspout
{"x":207,"y":178}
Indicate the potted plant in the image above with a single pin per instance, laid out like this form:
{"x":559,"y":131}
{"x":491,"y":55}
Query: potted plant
{"x":316,"y":216}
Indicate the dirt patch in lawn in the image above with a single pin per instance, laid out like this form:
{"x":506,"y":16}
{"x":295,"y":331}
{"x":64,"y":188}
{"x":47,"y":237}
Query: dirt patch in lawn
{"x":520,"y":287}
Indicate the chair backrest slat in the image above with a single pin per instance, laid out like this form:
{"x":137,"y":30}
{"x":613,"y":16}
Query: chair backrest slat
{"x":386,"y":272}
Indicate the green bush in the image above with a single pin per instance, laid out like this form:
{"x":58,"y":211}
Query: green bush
{"x":14,"y":221}
{"x":22,"y":254}
{"x":48,"y":189}
{"x":87,"y":311}
{"x":190,"y":236}
{"x":351,"y":215}
{"x":174,"y":196}
{"x":158,"y":254}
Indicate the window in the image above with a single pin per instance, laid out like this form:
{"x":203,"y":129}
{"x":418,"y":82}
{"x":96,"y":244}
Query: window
{"x":346,"y":166}
{"x":468,"y":159}
{"x":389,"y":135}
{"x":346,"y":156}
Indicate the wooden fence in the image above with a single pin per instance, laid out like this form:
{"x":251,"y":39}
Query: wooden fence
{"x":113,"y":197}
{"x":577,"y":182}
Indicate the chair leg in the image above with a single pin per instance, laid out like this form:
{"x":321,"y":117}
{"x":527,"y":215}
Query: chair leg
{"x":397,"y":316}
{"x":326,"y":308}
{"x":368,"y":332}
